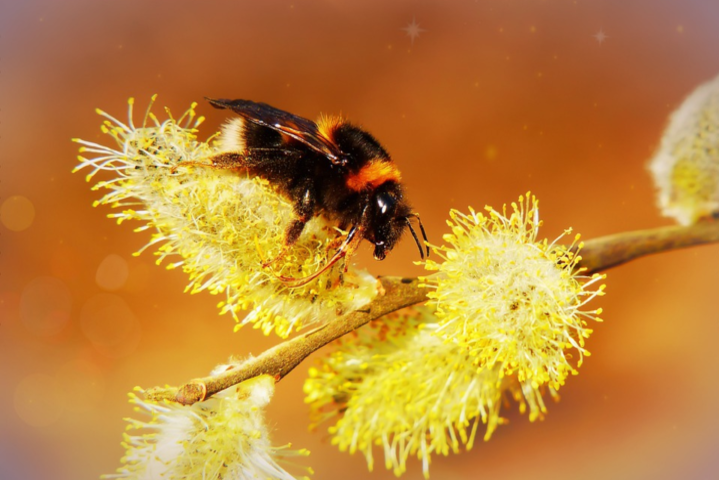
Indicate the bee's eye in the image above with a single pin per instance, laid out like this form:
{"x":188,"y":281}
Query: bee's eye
{"x":385,"y":204}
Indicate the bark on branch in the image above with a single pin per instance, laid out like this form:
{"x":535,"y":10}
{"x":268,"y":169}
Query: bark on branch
{"x":597,"y":255}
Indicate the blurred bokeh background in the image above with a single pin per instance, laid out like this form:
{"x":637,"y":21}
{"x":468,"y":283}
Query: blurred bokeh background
{"x":478,"y":103}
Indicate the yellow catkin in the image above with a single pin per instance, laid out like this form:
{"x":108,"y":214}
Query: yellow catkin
{"x":512,"y":301}
{"x":686,"y":164}
{"x":222,"y":438}
{"x":507,"y":313}
{"x":219,"y":226}
{"x":403,"y":389}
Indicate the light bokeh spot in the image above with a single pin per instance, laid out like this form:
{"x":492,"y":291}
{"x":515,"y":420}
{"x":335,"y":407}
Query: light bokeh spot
{"x":17,"y":213}
{"x":45,"y":306}
{"x":112,"y":272}
{"x":107,"y":321}
{"x":80,"y":384}
{"x":36,"y":400}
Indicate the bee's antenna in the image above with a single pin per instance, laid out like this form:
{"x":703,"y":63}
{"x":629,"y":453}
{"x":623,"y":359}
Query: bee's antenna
{"x":416,"y":240}
{"x":421,"y":227}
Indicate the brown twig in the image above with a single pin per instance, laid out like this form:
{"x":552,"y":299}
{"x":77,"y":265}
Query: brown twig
{"x":609,"y":251}
{"x":279,"y":360}
{"x":597,"y":255}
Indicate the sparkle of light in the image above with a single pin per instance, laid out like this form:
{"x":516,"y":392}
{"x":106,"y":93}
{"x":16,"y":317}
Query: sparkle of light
{"x":413,"y":30}
{"x":600,"y":36}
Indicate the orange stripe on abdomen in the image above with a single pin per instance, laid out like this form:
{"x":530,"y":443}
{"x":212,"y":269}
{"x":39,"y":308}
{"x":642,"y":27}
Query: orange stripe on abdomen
{"x":372,"y":175}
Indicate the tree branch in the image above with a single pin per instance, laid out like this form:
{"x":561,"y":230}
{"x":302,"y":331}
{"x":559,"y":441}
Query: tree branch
{"x":609,"y":251}
{"x":597,"y":255}
{"x":279,"y":360}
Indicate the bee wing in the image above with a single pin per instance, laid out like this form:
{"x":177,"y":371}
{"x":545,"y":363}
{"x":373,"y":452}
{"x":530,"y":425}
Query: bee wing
{"x":299,"y":128}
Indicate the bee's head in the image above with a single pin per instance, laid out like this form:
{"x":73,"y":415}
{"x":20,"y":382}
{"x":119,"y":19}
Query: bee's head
{"x":389,"y":216}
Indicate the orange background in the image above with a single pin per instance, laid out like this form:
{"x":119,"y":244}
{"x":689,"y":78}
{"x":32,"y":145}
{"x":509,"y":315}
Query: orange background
{"x":493,"y":99}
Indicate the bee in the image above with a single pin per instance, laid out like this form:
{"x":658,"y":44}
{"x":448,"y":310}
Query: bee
{"x":330,"y":168}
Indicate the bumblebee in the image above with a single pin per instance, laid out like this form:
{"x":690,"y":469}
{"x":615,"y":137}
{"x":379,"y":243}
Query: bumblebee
{"x":331,"y":168}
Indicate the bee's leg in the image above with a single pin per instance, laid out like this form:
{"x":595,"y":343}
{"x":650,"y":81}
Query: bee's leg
{"x":255,"y":160}
{"x":305,"y":209}
{"x":292,"y":234}
{"x":351,"y":245}
{"x":229,"y":161}
{"x":348,"y":247}
{"x":335,"y":243}
{"x":222,"y":161}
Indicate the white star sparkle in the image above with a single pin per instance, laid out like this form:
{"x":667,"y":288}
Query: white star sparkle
{"x":600,"y":36}
{"x":413,"y":30}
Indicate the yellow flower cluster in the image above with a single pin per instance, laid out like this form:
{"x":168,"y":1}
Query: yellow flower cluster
{"x":686,"y":164}
{"x":507,"y":311}
{"x":222,"y":225}
{"x":222,"y":438}
{"x":511,"y":301}
{"x":410,"y":392}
